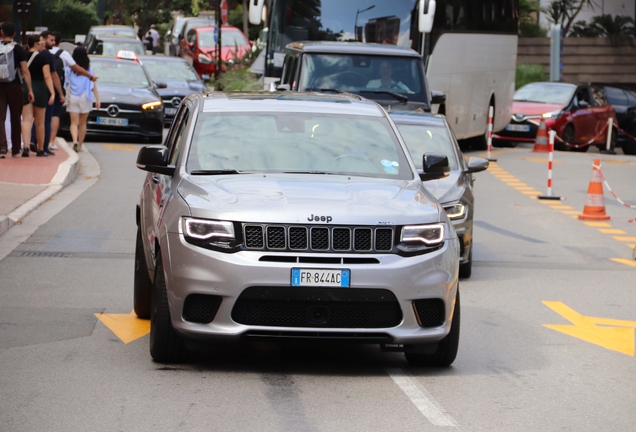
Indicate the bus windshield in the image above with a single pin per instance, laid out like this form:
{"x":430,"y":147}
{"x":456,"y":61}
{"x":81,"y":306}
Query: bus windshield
{"x":386,"y":22}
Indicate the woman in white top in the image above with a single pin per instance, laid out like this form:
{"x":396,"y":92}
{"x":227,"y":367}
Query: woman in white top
{"x":80,"y":102}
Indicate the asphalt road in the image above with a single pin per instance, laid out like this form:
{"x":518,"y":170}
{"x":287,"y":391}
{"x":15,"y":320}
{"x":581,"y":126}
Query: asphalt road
{"x":71,"y":262}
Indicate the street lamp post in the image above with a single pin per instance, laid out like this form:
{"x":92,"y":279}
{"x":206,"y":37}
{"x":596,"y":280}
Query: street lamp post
{"x":358,"y":12}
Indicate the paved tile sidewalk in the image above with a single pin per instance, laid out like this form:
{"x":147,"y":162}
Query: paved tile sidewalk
{"x":26,"y":183}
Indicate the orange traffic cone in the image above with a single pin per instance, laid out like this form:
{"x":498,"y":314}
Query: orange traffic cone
{"x":541,"y":142}
{"x":594,"y":208}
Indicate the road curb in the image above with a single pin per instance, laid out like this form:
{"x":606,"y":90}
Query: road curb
{"x":66,"y":173}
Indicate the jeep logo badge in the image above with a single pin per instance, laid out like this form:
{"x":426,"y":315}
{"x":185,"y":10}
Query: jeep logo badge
{"x":320,"y":218}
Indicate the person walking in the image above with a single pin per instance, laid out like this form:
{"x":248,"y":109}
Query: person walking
{"x":153,"y":35}
{"x":64,"y":63}
{"x":57,"y":85}
{"x":80,"y":102}
{"x":13,"y":64}
{"x":43,"y":92}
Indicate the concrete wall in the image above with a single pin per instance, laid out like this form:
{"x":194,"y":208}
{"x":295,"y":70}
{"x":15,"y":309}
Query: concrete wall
{"x":584,"y":59}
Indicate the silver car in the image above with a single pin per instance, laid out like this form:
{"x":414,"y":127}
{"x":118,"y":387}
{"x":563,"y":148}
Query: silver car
{"x":425,"y":132}
{"x":293,"y":215}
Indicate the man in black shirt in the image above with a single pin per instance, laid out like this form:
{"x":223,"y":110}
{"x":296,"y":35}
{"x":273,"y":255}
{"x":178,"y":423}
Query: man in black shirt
{"x":11,"y":93}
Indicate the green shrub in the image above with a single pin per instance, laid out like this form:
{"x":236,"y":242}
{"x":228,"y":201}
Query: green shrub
{"x":528,"y":73}
{"x":238,"y":78}
{"x":532,"y":29}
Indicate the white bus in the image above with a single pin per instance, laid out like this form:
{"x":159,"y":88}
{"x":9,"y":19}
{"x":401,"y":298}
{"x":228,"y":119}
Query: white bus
{"x":469,"y":47}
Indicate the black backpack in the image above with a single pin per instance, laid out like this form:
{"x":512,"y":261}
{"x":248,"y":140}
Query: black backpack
{"x":59,"y":66}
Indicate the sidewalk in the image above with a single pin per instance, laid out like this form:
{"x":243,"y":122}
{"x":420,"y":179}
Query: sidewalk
{"x":26,"y":183}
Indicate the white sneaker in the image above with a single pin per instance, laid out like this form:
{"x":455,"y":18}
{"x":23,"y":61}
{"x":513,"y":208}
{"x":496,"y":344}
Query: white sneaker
{"x":53,"y":147}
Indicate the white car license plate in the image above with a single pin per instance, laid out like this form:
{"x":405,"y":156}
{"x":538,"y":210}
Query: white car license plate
{"x":320,"y":277}
{"x":169,"y":111}
{"x":518,"y":128}
{"x":112,"y":121}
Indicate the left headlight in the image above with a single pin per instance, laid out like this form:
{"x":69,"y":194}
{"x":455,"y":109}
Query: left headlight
{"x":455,"y":211}
{"x":554,"y":115}
{"x":430,"y":235}
{"x":210,"y":234}
{"x":152,"y":105}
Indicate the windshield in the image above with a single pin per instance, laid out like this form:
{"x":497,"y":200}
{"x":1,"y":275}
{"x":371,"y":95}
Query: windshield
{"x":109,"y":48}
{"x":297,"y":142}
{"x":124,"y":73}
{"x":421,"y":139}
{"x":365,"y":75}
{"x":229,"y":38}
{"x":119,"y":31}
{"x":170,"y":70}
{"x":545,"y":93}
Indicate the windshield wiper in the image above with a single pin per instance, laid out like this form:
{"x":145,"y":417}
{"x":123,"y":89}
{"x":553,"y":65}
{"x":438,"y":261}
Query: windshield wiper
{"x":397,"y":96}
{"x":307,"y":172}
{"x":216,"y":172}
{"x":322,"y":90}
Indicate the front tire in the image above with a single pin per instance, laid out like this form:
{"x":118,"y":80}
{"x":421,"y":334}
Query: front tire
{"x":466,"y":269}
{"x":446,"y":351}
{"x":166,"y":345}
{"x":142,"y":283}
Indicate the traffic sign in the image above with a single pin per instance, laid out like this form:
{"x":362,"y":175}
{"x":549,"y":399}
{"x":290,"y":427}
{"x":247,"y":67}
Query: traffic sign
{"x":216,"y":35}
{"x":224,"y":12}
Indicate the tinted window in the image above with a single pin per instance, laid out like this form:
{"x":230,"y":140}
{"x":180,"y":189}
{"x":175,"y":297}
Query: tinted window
{"x":616,"y":96}
{"x":170,"y":70}
{"x":228,"y":39}
{"x":179,"y":137}
{"x":110,"y":48}
{"x":598,"y":96}
{"x":297,"y":142}
{"x":422,"y":138}
{"x":631,"y":98}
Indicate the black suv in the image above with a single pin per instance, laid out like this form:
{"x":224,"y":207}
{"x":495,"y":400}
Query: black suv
{"x":390,"y":75}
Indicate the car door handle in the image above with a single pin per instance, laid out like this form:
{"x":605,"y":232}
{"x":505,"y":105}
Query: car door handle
{"x":155,"y":179}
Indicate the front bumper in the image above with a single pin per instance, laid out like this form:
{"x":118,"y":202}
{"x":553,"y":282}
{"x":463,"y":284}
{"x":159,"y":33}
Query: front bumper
{"x":191,"y":270}
{"x":140,"y":124}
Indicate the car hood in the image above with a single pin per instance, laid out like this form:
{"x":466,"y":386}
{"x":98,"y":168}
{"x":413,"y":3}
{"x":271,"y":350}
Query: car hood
{"x":448,"y":189}
{"x":534,"y":108}
{"x":288,"y":198}
{"x":180,"y":88}
{"x":126,"y":95}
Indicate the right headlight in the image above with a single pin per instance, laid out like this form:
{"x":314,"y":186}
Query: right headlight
{"x":204,"y":59}
{"x":210,"y":234}
{"x":430,"y":235}
{"x":455,"y":211}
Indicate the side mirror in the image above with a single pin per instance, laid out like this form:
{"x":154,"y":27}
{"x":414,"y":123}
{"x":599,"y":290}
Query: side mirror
{"x":426,"y":15}
{"x":161,"y":84}
{"x":283,"y":87}
{"x":256,"y":11}
{"x":205,"y":77}
{"x":153,"y":159}
{"x":437,"y":97}
{"x":477,"y":164}
{"x":435,"y":166}
{"x":583,"y":104}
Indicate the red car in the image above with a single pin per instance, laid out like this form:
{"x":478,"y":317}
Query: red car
{"x":199,"y":48}
{"x":578,"y":113}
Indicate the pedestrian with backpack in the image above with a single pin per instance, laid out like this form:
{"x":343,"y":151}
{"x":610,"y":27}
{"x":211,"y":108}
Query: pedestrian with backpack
{"x":64,"y":64}
{"x":13,"y":70}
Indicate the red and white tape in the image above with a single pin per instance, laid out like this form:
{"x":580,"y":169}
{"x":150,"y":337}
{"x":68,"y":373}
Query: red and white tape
{"x":598,"y":167}
{"x":584,"y":144}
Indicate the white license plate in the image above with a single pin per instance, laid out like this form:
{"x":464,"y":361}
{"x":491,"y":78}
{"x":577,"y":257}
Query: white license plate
{"x":320,"y":277}
{"x":112,"y":121}
{"x":518,"y":128}
{"x":169,"y":111}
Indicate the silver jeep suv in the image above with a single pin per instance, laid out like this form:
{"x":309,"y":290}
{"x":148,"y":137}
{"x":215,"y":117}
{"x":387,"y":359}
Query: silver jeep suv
{"x":293,"y":215}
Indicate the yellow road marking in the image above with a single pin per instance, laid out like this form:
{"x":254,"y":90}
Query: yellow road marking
{"x":524,"y":188}
{"x":121,"y":147}
{"x":516,"y":184}
{"x":611,"y":231}
{"x":561,"y":207}
{"x":531,"y":192}
{"x":619,"y":336}
{"x":625,"y":239}
{"x":597,"y":224}
{"x":541,"y":160}
{"x":616,"y":161}
{"x":126,"y":327}
{"x":629,"y":262}
{"x":571,"y":212}
{"x":631,"y":246}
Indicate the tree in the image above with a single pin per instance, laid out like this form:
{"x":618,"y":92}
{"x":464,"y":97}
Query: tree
{"x":618,"y":29}
{"x":565,"y":11}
